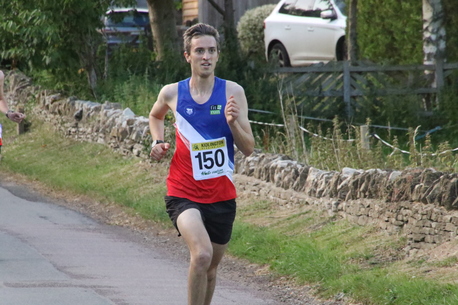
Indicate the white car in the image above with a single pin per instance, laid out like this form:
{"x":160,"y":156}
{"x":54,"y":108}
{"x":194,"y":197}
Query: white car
{"x":304,"y":32}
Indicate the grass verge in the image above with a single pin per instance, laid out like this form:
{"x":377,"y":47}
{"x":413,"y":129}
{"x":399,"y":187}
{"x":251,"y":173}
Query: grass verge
{"x":340,"y":258}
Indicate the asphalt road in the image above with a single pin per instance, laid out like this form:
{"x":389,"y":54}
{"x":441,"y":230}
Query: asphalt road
{"x":50,"y":255}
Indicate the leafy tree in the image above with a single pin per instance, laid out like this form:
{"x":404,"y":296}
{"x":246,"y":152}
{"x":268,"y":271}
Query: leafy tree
{"x":25,"y":34}
{"x":163,"y":27}
{"x":250,"y":31}
{"x":390,"y":31}
{"x":54,"y":35}
{"x":231,"y":64}
{"x":451,"y":25}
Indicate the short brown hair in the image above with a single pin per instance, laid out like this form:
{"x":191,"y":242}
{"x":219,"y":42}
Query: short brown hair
{"x":199,"y":29}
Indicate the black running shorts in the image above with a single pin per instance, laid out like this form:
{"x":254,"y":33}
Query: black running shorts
{"x":218,"y":217}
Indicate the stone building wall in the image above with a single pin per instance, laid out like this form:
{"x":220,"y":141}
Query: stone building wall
{"x":421,"y":204}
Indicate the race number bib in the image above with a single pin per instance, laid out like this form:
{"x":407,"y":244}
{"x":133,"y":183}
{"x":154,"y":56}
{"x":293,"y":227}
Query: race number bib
{"x":209,"y":159}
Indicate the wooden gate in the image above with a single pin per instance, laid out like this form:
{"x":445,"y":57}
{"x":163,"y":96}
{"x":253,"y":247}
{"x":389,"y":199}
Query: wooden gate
{"x":341,"y":81}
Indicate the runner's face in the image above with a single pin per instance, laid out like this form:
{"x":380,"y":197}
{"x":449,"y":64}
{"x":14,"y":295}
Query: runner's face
{"x":203,"y":56}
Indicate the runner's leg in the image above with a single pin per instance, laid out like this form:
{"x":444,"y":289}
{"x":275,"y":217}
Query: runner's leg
{"x":200,"y":247}
{"x":218,"y":252}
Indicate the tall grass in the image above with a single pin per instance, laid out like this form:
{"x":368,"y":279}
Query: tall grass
{"x":136,"y":92}
{"x":341,"y":145}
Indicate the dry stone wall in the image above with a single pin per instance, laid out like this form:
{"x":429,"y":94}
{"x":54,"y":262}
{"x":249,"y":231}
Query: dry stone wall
{"x":421,"y":204}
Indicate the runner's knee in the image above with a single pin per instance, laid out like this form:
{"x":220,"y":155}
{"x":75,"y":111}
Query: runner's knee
{"x":201,"y":259}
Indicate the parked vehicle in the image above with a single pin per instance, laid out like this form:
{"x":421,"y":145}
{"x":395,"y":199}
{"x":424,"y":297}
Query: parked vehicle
{"x":126,"y":26}
{"x":304,"y":32}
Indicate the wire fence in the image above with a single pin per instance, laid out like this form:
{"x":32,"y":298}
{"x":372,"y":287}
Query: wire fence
{"x":374,"y":135}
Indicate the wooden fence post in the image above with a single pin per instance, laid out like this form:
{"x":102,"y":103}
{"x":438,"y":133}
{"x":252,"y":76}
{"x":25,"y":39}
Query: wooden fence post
{"x":347,"y":87}
{"x":291,"y":133}
{"x":364,"y":131}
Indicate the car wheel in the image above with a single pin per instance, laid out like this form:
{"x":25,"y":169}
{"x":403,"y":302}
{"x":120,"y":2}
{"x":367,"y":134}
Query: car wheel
{"x":341,"y":50}
{"x":279,"y":56}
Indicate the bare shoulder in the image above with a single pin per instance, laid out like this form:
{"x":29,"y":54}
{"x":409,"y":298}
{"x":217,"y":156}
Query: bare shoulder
{"x":235,"y":90}
{"x":232,"y":88}
{"x":168,"y":93}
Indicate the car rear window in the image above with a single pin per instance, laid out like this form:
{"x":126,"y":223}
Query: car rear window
{"x":127,"y":19}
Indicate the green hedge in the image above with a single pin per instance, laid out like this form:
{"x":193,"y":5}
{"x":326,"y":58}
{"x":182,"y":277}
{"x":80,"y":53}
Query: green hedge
{"x":390,"y":31}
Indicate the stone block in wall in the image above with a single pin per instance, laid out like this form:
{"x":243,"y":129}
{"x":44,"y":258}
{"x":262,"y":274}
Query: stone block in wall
{"x":416,"y":237}
{"x":275,"y":167}
{"x":433,"y":193}
{"x":322,"y":186}
{"x":438,"y":226}
{"x":406,"y":213}
{"x":397,"y":223}
{"x":422,"y":224}
{"x":429,"y":176}
{"x":137,"y":136}
{"x":78,"y":115}
{"x":349,"y":208}
{"x":363,"y":220}
{"x":455,"y":204}
{"x":394,"y":175}
{"x":285,"y":173}
{"x":111,"y":106}
{"x":449,"y":227}
{"x":364,"y":184}
{"x":334,"y":183}
{"x":376,"y":181}
{"x":111,"y":113}
{"x":447,"y":218}
{"x":418,"y":192}
{"x":403,"y":187}
{"x":430,"y":239}
{"x":137,"y":149}
{"x":261,"y":171}
{"x":436,"y":215}
{"x":441,"y":238}
{"x":454,"y":220}
{"x":299,"y":184}
{"x":449,"y":192}
{"x":350,"y":182}
{"x":247,"y":165}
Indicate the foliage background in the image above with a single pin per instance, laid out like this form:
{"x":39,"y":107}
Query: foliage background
{"x":53,"y":41}
{"x":250,"y":31}
{"x":390,"y":31}
{"x":451,"y":25}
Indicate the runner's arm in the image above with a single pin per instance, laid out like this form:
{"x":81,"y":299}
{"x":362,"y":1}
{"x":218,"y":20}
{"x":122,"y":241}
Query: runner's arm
{"x":236,"y":112}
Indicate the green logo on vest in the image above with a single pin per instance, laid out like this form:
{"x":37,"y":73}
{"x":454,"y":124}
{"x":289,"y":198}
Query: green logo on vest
{"x":215,"y":109}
